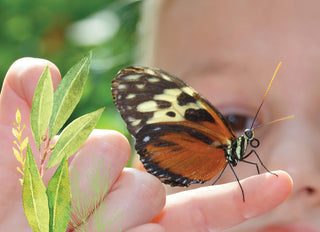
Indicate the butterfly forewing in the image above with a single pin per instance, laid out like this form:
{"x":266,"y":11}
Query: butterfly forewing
{"x":179,"y":135}
{"x":146,"y":96}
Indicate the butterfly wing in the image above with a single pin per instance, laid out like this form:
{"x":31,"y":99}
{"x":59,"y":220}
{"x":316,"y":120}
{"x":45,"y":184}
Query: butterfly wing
{"x":180,"y":136}
{"x":179,"y":155}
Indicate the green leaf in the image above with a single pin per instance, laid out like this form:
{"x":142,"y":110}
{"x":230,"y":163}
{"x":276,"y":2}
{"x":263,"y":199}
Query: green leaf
{"x":68,"y":94}
{"x":35,"y":201}
{"x":73,"y":136}
{"x":41,"y":106}
{"x":59,"y":198}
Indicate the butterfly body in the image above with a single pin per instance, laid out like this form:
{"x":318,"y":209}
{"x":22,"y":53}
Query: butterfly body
{"x":180,"y":137}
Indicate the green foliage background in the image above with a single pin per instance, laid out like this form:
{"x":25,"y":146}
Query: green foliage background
{"x":42,"y":28}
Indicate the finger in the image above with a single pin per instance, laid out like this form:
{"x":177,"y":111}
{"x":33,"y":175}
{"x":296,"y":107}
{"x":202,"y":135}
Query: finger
{"x":150,"y":227}
{"x":17,"y":92}
{"x":221,"y":207}
{"x":94,"y":169}
{"x":135,"y":199}
{"x":19,"y":85}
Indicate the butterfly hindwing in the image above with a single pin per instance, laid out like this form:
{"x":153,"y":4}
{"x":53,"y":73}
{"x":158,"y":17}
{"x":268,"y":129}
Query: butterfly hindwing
{"x":179,"y":155}
{"x":180,"y":136}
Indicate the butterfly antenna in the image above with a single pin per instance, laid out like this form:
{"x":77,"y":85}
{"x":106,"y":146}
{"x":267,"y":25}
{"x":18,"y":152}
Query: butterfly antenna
{"x":274,"y":75}
{"x":277,"y":120}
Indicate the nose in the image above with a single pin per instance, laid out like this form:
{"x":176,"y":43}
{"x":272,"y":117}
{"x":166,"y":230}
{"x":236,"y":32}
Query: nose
{"x":293,"y":147}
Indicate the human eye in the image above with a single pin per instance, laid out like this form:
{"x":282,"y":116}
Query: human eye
{"x":239,"y":122}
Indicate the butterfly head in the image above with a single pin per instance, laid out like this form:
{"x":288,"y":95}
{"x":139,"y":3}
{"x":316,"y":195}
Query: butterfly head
{"x":249,"y":135}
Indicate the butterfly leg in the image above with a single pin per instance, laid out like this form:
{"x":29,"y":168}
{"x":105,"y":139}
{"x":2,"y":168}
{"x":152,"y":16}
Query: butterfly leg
{"x":253,"y":163}
{"x":220,"y":174}
{"x":262,"y":164}
{"x":237,"y":181}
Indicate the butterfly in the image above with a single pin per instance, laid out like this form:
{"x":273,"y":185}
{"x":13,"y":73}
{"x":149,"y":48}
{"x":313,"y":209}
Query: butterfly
{"x":181,"y":138}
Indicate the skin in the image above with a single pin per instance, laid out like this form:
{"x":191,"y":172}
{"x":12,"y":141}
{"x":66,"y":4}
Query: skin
{"x":228,"y":51}
{"x":139,"y":195}
{"x":131,"y":191}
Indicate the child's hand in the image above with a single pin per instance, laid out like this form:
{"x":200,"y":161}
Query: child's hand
{"x":136,"y":197}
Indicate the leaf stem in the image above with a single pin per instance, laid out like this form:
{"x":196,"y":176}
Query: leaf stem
{"x":46,"y":151}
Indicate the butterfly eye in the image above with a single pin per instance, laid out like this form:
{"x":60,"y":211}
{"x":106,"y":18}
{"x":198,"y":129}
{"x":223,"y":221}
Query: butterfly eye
{"x":239,"y":122}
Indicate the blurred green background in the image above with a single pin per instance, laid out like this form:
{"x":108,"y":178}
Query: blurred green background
{"x":63,"y":32}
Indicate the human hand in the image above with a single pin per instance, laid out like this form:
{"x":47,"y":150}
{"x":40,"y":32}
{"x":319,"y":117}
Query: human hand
{"x":219,"y":207}
{"x":138,"y":196}
{"x":129,"y":191}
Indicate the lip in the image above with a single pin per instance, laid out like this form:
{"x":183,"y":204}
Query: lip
{"x":288,"y":228}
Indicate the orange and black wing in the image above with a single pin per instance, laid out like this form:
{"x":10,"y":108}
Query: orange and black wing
{"x":180,"y":137}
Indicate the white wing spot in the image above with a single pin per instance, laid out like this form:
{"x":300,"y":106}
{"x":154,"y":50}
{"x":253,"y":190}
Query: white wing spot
{"x":188,"y":90}
{"x":150,"y":72}
{"x":166,"y":77}
{"x":216,"y":143}
{"x":153,"y":80}
{"x":131,"y":119}
{"x":140,"y":86}
{"x":160,"y":116}
{"x":132,"y":77}
{"x":146,"y":139}
{"x":169,"y":95}
{"x":122,"y":86}
{"x":131,"y":95}
{"x":148,"y":106}
{"x":136,"y":122}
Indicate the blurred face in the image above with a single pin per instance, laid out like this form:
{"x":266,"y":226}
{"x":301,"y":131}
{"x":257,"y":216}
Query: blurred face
{"x":228,"y":51}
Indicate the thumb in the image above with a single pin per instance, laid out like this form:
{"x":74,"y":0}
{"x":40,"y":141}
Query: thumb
{"x":19,"y":85}
{"x":17,"y":93}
